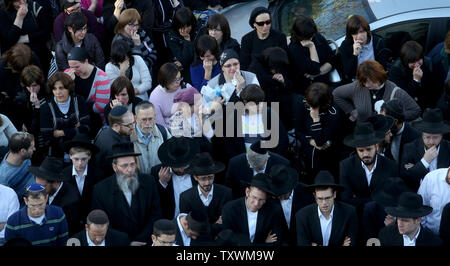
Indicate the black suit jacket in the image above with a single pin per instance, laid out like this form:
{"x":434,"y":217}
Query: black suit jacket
{"x":239,"y":172}
{"x":408,"y":135}
{"x":94,"y":175}
{"x":137,"y":220}
{"x":166,"y":194}
{"x":444,"y":229}
{"x":69,"y":200}
{"x":301,"y":198}
{"x":413,"y":153}
{"x":344,"y":224}
{"x":353,"y":177}
{"x":113,"y":238}
{"x":190,"y":200}
{"x":234,"y":217}
{"x":390,"y":236}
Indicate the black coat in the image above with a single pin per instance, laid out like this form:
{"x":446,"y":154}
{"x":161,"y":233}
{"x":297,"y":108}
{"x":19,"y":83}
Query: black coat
{"x":444,"y":229}
{"x":372,"y":220}
{"x":350,"y":62}
{"x":426,"y":92}
{"x":137,"y":220}
{"x":234,"y":217}
{"x":239,"y":172}
{"x":344,"y":224}
{"x":302,"y":198}
{"x":390,"y":236}
{"x":69,"y":200}
{"x":353,"y":177}
{"x":94,"y":175}
{"x":413,"y":153}
{"x":408,"y":135}
{"x":113,"y":238}
{"x":166,"y":195}
{"x":190,"y":200}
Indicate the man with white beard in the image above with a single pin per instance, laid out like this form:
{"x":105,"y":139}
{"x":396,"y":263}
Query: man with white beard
{"x":129,"y":198}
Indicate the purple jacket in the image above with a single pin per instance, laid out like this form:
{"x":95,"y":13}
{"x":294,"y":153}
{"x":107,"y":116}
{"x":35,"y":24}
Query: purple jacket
{"x":58,"y":25}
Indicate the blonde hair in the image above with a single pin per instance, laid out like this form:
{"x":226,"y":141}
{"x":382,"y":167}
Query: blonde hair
{"x":75,"y":150}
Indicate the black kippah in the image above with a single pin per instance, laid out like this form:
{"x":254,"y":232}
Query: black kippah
{"x":118,"y":111}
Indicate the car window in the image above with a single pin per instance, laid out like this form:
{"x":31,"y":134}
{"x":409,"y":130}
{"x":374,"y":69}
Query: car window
{"x":330,"y":16}
{"x":396,"y":35}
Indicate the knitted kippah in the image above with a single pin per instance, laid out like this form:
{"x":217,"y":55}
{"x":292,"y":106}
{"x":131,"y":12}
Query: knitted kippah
{"x":35,"y":187}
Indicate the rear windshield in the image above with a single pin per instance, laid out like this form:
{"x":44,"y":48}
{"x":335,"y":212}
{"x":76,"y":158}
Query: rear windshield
{"x":330,"y":16}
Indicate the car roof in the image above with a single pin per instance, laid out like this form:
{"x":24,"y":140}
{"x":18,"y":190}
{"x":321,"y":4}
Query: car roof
{"x":386,"y":8}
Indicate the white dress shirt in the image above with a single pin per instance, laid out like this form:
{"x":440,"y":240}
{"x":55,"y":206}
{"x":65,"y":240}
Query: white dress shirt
{"x":91,"y":244}
{"x":186,"y":239}
{"x":252,"y":219}
{"x":52,"y":197}
{"x":80,"y":179}
{"x":433,"y":165}
{"x":37,"y":220}
{"x":325,"y":226}
{"x":370,"y":173}
{"x":180,"y":184}
{"x":407,"y":242}
{"x":435,"y":193}
{"x":287,"y":208}
{"x":9,"y":204}
{"x":206,"y":200}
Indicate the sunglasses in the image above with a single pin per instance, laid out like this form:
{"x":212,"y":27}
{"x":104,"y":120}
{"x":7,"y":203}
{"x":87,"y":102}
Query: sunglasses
{"x":261,"y":23}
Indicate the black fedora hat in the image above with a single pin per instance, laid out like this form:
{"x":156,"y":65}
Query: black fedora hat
{"x":364,"y":135}
{"x":387,"y":194}
{"x":432,"y":122}
{"x":381,"y":123}
{"x":50,"y":169}
{"x":410,"y":205}
{"x":256,"y":147}
{"x":122,"y":149}
{"x":80,"y":140}
{"x":324,"y":179}
{"x":261,"y":181}
{"x":177,"y":151}
{"x":203,"y":164}
{"x":284,"y":179}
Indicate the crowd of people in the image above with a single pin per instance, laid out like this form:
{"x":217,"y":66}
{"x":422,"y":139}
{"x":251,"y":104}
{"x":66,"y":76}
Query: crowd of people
{"x":120,"y":125}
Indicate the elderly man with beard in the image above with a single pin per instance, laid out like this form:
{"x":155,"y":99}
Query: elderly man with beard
{"x":364,"y":171}
{"x":130,"y":199}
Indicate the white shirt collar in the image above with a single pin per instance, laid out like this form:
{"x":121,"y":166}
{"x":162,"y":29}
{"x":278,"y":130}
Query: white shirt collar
{"x":408,"y":242}
{"x":206,"y":200}
{"x":186,"y":239}
{"x":322,"y":216}
{"x":91,"y":244}
{"x":74,"y":171}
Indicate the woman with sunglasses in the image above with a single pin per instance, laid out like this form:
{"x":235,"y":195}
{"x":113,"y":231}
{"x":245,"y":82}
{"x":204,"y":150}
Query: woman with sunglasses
{"x":262,"y":37}
{"x":122,"y":93}
{"x":76,"y":35}
{"x":170,"y":82}
{"x":310,"y":54}
{"x":63,"y":115}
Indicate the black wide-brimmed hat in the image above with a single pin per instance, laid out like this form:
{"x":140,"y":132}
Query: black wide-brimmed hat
{"x":364,"y":135}
{"x":432,"y":122}
{"x":381,"y":123}
{"x":80,"y":140}
{"x":203,"y":164}
{"x":387,"y":194}
{"x":122,"y":149}
{"x":324,"y":179}
{"x":410,"y":205}
{"x":198,"y":220}
{"x":50,"y":169}
{"x":261,"y":181}
{"x":177,"y":151}
{"x":284,"y":179}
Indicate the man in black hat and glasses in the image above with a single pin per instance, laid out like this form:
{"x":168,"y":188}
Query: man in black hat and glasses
{"x":427,"y":153}
{"x":130,"y":199}
{"x":327,"y":222}
{"x":206,"y":196}
{"x":60,"y":193}
{"x":172,"y":179}
{"x":291,"y":196}
{"x":408,"y":231}
{"x":255,"y":215}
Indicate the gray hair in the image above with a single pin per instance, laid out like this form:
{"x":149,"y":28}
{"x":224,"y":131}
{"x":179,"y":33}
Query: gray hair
{"x":256,"y":160}
{"x":143,"y":106}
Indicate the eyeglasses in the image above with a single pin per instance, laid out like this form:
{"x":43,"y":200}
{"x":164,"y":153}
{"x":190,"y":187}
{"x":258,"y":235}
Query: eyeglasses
{"x":230,"y":65}
{"x":133,"y":25}
{"x":145,"y":120}
{"x":130,"y":125}
{"x":166,"y":243}
{"x":178,"y":80}
{"x":126,"y":165}
{"x":261,"y":23}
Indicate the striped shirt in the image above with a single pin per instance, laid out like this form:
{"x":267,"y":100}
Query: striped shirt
{"x":52,"y":231}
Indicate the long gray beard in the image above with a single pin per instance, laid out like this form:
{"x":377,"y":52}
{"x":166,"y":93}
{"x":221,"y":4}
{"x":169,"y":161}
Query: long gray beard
{"x":128,"y":184}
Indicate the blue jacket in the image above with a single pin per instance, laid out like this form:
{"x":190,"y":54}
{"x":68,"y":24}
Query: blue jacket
{"x":198,"y":75}
{"x":53,"y":231}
